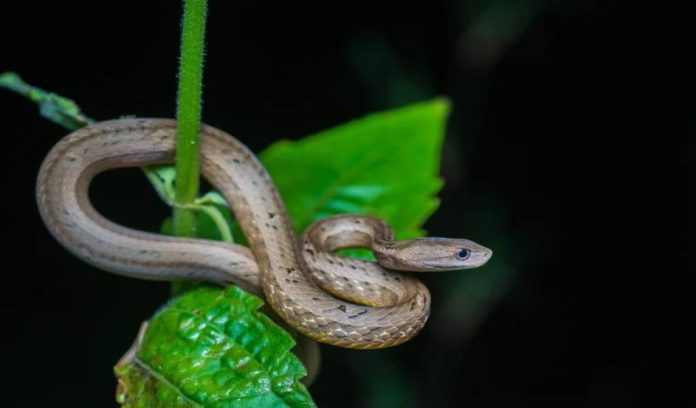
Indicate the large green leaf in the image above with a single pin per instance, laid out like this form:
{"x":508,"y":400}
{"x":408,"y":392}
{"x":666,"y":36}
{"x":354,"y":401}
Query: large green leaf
{"x":211,"y":348}
{"x":385,"y":165}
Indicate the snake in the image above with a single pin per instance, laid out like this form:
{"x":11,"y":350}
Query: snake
{"x":319,"y":293}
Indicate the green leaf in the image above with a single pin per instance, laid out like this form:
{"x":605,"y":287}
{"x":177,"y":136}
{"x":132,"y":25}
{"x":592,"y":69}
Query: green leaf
{"x":384,"y":165}
{"x":212,"y":348}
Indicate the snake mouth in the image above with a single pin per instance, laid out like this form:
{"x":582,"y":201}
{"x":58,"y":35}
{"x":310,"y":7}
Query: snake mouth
{"x":437,"y":265}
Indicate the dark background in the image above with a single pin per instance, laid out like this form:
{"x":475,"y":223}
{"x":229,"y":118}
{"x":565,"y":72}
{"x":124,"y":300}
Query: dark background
{"x":539,"y":164}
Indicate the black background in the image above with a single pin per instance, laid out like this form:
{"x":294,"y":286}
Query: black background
{"x":540,"y":133}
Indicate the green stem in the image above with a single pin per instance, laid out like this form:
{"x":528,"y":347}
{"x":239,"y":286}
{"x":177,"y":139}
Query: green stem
{"x":54,"y":107}
{"x":189,"y":115}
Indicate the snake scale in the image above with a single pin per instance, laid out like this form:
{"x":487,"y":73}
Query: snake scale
{"x":332,"y":299}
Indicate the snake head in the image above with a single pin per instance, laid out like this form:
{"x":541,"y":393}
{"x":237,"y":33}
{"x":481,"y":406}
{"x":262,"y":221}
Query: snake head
{"x":434,"y":254}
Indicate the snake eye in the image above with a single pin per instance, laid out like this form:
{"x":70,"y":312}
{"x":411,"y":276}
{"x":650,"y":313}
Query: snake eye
{"x":463,"y":254}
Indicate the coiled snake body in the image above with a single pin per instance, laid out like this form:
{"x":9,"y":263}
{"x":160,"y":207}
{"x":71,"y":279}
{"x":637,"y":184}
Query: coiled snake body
{"x":382,"y":308}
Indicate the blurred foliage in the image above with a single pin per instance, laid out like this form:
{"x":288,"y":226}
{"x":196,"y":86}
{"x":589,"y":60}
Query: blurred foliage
{"x":211,"y":348}
{"x":492,"y":27}
{"x":390,"y":80}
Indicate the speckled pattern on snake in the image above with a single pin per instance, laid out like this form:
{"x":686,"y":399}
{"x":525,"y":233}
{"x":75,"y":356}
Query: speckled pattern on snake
{"x":359,"y":304}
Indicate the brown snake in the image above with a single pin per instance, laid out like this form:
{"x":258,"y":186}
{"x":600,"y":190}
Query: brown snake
{"x":390,"y":307}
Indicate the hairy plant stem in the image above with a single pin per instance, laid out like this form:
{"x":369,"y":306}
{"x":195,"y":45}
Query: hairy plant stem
{"x":189,"y":115}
